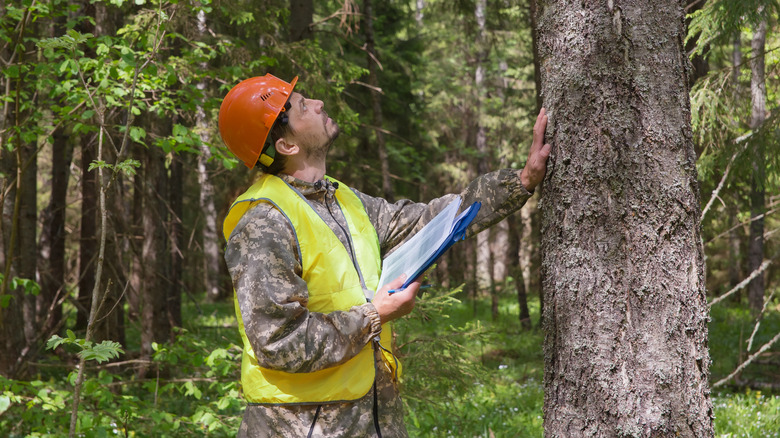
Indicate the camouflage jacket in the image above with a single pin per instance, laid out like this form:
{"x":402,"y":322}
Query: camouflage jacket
{"x":262,"y":258}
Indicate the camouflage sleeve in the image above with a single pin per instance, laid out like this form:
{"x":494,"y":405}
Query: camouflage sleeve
{"x":262,"y":258}
{"x":500,"y":193}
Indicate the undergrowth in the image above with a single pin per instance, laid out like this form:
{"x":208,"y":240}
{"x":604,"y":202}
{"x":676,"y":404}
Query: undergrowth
{"x":465,"y":375}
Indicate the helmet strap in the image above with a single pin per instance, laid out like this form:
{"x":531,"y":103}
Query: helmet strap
{"x":268,"y":154}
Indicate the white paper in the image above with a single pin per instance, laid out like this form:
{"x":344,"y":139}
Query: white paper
{"x":414,"y":252}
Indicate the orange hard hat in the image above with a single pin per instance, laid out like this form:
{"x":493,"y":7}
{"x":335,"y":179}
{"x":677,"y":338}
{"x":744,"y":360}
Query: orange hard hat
{"x":247,"y":114}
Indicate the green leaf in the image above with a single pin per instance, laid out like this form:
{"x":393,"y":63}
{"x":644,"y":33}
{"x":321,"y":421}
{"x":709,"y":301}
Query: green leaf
{"x":102,"y":352}
{"x":5,"y":403}
{"x":223,"y":403}
{"x":128,"y":166}
{"x":30,"y":286}
{"x":68,"y":65}
{"x":29,"y":136}
{"x":137,"y":134}
{"x":167,"y":145}
{"x":193,"y":390}
{"x":99,"y":164}
{"x":12,"y":71}
{"x":180,"y":130}
{"x":229,"y":163}
{"x":219,"y":353}
{"x":55,"y":341}
{"x":78,"y":37}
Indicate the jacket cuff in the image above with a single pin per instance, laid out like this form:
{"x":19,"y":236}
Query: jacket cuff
{"x":373,"y":317}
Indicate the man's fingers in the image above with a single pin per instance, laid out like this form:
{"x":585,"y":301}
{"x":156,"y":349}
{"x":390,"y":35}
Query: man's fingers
{"x":545,"y":151}
{"x":539,"y":127}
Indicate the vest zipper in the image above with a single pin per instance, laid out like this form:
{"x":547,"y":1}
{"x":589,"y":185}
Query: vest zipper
{"x":346,"y":234}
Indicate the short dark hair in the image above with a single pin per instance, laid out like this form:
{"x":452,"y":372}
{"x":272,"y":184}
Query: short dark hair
{"x":278,"y":131}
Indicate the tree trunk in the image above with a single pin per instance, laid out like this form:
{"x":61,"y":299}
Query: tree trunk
{"x":526,"y":244}
{"x":735,"y":252}
{"x":27,"y":243}
{"x":736,"y":61}
{"x":500,"y":255}
{"x":156,"y":324}
{"x":301,"y":15}
{"x":518,"y":272}
{"x":137,"y":240}
{"x":176,"y":233}
{"x":11,"y":338}
{"x":376,"y":102}
{"x":484,"y":262}
{"x":89,"y":226}
{"x":625,"y":304}
{"x":52,"y":251}
{"x":532,"y":14}
{"x":758,"y":179}
{"x":525,"y":250}
{"x":211,"y":259}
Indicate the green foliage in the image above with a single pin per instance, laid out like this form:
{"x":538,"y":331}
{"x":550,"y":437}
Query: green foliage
{"x":29,"y":287}
{"x":128,"y":167}
{"x":487,"y":377}
{"x":192,"y":390}
{"x":748,"y":414}
{"x":720,"y":19}
{"x":100,"y":352}
{"x":730,"y":331}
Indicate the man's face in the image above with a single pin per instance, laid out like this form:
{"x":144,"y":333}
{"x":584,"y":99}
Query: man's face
{"x":311,"y":128}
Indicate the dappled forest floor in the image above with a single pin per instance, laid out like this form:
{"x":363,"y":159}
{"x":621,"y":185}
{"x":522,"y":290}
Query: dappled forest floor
{"x":463,"y":375}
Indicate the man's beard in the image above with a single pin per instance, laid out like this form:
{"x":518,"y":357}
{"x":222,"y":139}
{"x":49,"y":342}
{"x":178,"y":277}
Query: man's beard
{"x":321,"y":151}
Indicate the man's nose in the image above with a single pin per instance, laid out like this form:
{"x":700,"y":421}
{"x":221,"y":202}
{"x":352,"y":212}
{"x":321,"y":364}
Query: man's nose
{"x":318,"y":105}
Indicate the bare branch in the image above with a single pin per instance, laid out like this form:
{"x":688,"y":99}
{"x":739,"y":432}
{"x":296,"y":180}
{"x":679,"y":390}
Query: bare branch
{"x":758,"y":320}
{"x":747,"y":362}
{"x":744,"y":282}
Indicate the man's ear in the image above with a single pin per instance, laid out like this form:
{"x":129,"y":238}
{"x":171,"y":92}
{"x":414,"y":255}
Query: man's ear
{"x":286,"y":148}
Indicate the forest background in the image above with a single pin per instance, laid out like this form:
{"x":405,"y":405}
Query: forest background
{"x":115,"y":304}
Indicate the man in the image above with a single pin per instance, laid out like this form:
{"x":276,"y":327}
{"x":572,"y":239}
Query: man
{"x":304,"y":253}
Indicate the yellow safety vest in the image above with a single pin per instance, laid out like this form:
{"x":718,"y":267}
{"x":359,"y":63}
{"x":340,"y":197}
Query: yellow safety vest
{"x":333,"y":284}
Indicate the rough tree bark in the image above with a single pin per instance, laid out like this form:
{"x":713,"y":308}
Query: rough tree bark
{"x":625,"y":303}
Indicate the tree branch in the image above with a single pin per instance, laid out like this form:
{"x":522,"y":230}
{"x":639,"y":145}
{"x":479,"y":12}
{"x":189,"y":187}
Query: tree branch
{"x":747,"y":362}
